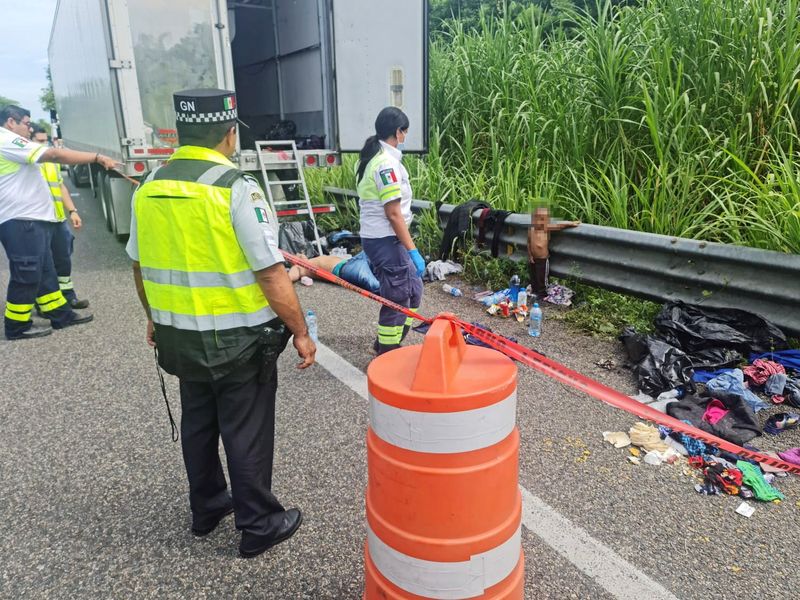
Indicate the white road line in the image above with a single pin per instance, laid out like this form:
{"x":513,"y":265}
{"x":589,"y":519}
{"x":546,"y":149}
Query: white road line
{"x":608,"y":569}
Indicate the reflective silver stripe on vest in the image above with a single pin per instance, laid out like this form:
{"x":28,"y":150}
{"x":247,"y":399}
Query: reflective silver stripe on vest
{"x":214,"y":173}
{"x":54,"y":184}
{"x":443,"y":433}
{"x":445,"y":580}
{"x":212,"y":322}
{"x":198,"y":279}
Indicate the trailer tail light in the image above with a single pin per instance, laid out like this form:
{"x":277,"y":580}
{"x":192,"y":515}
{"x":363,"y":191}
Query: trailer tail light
{"x":139,"y":167}
{"x":311,"y":160}
{"x":331,"y":159}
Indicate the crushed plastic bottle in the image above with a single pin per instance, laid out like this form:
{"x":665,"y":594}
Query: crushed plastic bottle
{"x":453,"y":291}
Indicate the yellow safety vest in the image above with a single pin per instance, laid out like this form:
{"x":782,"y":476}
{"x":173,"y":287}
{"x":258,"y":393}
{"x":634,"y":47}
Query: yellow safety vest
{"x":52,"y":175}
{"x":195,"y":275}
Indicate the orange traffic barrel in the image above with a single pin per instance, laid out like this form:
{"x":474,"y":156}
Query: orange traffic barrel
{"x":443,"y":505}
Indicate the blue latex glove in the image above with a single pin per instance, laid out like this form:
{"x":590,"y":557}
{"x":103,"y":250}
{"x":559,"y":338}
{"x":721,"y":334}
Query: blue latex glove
{"x":418,"y":261}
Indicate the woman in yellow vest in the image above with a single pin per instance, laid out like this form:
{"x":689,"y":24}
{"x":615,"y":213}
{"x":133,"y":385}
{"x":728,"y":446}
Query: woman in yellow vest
{"x":384,"y":193}
{"x":63,"y":240}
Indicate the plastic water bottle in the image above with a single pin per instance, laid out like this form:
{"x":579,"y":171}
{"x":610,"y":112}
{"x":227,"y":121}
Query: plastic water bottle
{"x":495,"y":298}
{"x":453,"y":291}
{"x":311,"y":323}
{"x":522,"y":298}
{"x":513,"y":288}
{"x":535,"y":328}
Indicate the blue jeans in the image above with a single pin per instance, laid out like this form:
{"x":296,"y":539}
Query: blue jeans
{"x":33,"y":276}
{"x":62,"y":245}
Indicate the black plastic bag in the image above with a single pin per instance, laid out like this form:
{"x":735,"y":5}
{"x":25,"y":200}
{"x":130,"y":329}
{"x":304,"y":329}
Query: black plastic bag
{"x":695,"y":328}
{"x":297,"y":237}
{"x":713,"y":359}
{"x":659,"y":366}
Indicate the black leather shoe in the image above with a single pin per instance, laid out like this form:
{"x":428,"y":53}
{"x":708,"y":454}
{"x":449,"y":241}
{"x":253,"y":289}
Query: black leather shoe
{"x":34,"y":332}
{"x":253,"y":545}
{"x":80,"y":317}
{"x":79,"y":304}
{"x":210,"y":524}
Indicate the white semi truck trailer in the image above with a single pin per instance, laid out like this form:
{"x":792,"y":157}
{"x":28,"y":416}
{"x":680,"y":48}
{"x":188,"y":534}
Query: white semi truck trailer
{"x":314,"y":71}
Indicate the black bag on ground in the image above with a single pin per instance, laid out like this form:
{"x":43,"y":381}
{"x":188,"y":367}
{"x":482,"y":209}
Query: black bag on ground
{"x":695,"y":328}
{"x":659,"y":367}
{"x":297,"y":237}
{"x":713,"y":359}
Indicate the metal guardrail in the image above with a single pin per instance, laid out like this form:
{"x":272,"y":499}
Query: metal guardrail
{"x":660,"y":267}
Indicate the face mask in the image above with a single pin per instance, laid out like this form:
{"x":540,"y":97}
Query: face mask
{"x":401,"y":146}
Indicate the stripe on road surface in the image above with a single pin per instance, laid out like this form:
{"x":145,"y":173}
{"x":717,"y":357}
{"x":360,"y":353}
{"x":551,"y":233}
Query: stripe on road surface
{"x":608,"y":569}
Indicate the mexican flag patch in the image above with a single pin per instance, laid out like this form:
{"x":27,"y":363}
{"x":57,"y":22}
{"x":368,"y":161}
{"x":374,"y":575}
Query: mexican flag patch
{"x":229,"y":102}
{"x":19,"y":142}
{"x":261,"y":215}
{"x":388,"y":177}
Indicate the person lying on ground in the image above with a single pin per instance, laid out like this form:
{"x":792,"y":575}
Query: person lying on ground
{"x":538,"y":248}
{"x":355,"y":270}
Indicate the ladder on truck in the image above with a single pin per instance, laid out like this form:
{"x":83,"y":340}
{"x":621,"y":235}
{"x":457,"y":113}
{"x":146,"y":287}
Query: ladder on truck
{"x":280,"y":155}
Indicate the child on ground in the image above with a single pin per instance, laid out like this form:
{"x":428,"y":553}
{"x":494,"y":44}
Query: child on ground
{"x":538,"y":248}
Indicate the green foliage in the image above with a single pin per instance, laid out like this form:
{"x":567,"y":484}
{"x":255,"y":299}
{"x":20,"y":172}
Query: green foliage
{"x":6,"y":101}
{"x":604,"y":313}
{"x":47,"y":98}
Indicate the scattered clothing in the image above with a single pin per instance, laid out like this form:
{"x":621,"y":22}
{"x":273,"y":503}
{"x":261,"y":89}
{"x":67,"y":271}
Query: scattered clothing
{"x":775,"y":384}
{"x":738,"y":425}
{"x":715,"y":411}
{"x":693,"y":447}
{"x":731,"y":385}
{"x":754,"y":479}
{"x":790,"y":359}
{"x":792,"y":455}
{"x":791,"y":392}
{"x":719,"y":474}
{"x":781,"y":422}
{"x":706,"y":376}
{"x":439,"y":269}
{"x":559,"y":295}
{"x":759,"y":372}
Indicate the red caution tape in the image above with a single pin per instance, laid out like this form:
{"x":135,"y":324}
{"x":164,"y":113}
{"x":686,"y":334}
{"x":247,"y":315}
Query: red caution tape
{"x":561,"y":373}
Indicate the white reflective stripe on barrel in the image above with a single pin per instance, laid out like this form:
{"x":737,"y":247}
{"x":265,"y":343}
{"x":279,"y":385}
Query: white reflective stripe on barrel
{"x":443,"y":433}
{"x":445,"y":580}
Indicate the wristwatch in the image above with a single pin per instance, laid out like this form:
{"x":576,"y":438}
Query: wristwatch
{"x":74,"y":210}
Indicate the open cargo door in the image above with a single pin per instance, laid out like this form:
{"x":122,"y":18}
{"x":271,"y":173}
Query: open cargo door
{"x":381,"y":59}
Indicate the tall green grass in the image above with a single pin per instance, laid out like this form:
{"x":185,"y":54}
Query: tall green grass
{"x":673,"y":116}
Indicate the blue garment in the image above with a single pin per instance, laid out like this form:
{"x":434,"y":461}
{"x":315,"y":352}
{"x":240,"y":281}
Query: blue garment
{"x":693,"y":447}
{"x":788,"y":358}
{"x":358,"y":271}
{"x":728,"y":385}
{"x":706,"y":376}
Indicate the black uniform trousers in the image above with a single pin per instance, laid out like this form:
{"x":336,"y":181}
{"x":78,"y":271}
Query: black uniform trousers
{"x":243,"y":414}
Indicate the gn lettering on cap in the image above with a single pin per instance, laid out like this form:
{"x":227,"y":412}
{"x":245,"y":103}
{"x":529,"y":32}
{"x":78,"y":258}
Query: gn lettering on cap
{"x":205,"y":106}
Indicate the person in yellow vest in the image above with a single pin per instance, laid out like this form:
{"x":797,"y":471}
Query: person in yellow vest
{"x":220,"y":308}
{"x":63,"y":240}
{"x":27,"y":222}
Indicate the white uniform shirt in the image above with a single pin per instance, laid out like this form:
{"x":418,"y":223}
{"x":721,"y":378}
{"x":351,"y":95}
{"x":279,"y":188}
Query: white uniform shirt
{"x":255,"y":226}
{"x":24,"y":194}
{"x":374,"y":223}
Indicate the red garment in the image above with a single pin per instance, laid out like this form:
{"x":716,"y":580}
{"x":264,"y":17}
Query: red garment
{"x":760,"y":371}
{"x":715,"y":410}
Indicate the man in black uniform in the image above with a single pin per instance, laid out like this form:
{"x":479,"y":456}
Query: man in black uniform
{"x":220,"y":310}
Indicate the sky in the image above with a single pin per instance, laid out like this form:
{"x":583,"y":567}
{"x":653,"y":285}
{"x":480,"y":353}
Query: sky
{"x":24,"y":35}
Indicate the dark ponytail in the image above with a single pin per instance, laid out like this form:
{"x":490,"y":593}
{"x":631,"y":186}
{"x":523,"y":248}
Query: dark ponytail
{"x":389,"y":120}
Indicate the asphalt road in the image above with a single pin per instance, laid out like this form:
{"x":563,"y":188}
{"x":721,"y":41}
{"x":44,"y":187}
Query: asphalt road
{"x":93,"y":497}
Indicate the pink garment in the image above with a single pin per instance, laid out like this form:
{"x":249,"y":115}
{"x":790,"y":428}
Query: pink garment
{"x":792,"y":455}
{"x":760,"y":371}
{"x":715,"y":410}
